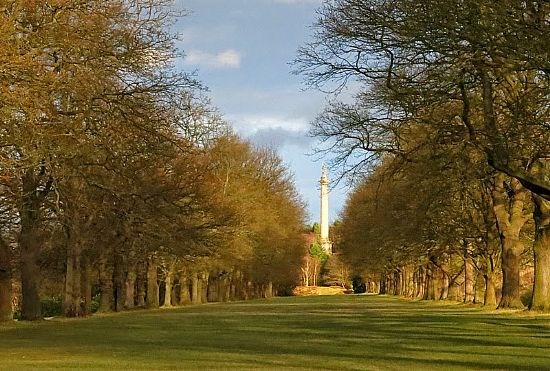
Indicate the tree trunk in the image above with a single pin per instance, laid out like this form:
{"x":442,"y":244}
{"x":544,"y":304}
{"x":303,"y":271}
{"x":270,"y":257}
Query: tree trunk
{"x":305,"y":273}
{"x":30,"y":243}
{"x":130,"y":287}
{"x":490,"y":297}
{"x":195,"y":289}
{"x":511,"y":259}
{"x":420,"y":282}
{"x":225,"y":289}
{"x":541,"y":288}
{"x":214,"y":286}
{"x":510,"y":215}
{"x":429,"y":287}
{"x":86,"y":285}
{"x":73,"y":279}
{"x":269,"y":290}
{"x":397,"y":282}
{"x":236,"y":286}
{"x":232,"y":290}
{"x":437,"y":278}
{"x":382,"y":290}
{"x":444,"y":286}
{"x":469,"y":280}
{"x":6,"y":311}
{"x":443,"y":279}
{"x":185,"y":294}
{"x":168,"y":284}
{"x":30,"y":275}
{"x":152,"y":284}
{"x":315,"y":272}
{"x":410,"y":281}
{"x":141,"y":284}
{"x":106,"y":292}
{"x":119,"y":279}
{"x":416,"y":279}
{"x":403,"y":281}
{"x":204,"y":292}
{"x":248,"y":290}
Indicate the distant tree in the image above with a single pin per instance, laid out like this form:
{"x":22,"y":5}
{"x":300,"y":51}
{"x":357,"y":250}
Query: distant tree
{"x":314,"y":261}
{"x":267,"y":246}
{"x":336,"y":272}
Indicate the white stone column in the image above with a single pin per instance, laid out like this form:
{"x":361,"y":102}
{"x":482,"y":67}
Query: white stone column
{"x":325,"y":242}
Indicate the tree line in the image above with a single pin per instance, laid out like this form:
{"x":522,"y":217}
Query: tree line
{"x":120,"y":185}
{"x":447,"y":141}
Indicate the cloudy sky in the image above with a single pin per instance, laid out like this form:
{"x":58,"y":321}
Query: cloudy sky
{"x":241,"y":50}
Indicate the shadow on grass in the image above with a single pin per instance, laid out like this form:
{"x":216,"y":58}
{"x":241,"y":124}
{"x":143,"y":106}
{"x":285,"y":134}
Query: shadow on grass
{"x":344,"y":332}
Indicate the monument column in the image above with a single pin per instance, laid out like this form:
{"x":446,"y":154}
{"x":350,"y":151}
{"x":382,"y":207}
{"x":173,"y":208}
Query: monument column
{"x":325,"y":242}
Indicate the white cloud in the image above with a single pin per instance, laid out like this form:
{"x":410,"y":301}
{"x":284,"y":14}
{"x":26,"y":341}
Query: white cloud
{"x":278,"y":137}
{"x":250,"y":124}
{"x":228,"y":58}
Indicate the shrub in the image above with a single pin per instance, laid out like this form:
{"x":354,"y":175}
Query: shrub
{"x":51,"y":307}
{"x":526,"y":297}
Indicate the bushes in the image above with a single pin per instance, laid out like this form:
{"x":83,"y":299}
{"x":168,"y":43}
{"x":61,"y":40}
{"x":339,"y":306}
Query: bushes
{"x":52,"y":307}
{"x":526,"y":297}
{"x":359,"y":286}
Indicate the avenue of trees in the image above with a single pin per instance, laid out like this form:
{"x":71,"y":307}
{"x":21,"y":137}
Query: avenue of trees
{"x":447,"y":141}
{"x":119,"y":185}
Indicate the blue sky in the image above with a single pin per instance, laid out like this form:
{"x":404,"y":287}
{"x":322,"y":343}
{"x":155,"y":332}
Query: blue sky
{"x":241,"y":50}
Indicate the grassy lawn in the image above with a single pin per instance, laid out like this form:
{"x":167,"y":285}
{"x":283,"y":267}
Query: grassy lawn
{"x":328,"y":332}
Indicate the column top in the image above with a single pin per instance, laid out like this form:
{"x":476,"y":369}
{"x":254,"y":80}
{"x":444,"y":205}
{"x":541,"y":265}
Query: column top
{"x":324,"y":176}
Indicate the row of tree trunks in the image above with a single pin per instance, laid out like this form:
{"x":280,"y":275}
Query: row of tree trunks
{"x":432,"y":282}
{"x":123,"y":286}
{"x":77,"y":300}
{"x":509,"y":200}
{"x":372,"y":286}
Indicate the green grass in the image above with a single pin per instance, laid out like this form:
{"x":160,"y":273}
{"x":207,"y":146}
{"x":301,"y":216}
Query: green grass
{"x":330,"y":333}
